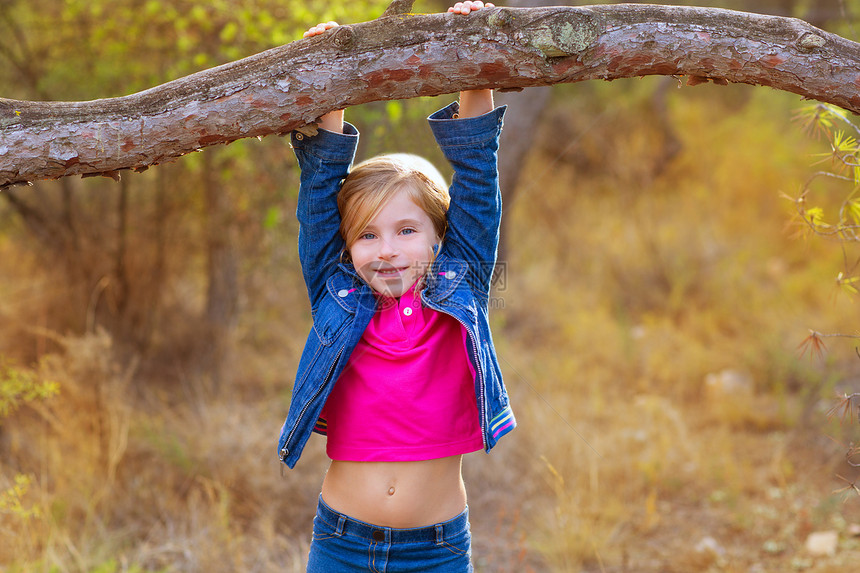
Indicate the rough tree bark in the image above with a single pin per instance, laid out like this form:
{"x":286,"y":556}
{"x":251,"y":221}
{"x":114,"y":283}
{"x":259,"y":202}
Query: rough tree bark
{"x":401,"y":56}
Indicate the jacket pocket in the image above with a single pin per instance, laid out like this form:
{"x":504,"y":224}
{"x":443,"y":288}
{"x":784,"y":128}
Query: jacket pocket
{"x":329,"y":321}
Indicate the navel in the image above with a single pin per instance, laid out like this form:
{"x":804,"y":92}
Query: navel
{"x":391,"y":490}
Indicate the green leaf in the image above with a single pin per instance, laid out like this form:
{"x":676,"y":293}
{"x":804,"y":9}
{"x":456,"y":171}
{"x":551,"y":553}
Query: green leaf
{"x":19,"y":386}
{"x":845,"y":144}
{"x":229,"y":32}
{"x":815,"y":216}
{"x":394,"y":109}
{"x":271,"y":219}
{"x":847,"y":283}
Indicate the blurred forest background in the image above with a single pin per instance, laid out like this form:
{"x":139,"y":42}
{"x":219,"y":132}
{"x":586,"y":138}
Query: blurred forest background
{"x":656,"y":289}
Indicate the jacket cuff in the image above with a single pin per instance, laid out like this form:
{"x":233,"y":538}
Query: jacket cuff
{"x":465,"y":131}
{"x":328,"y":144}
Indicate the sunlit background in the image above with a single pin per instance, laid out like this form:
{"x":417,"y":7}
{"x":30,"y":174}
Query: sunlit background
{"x":655,"y":293}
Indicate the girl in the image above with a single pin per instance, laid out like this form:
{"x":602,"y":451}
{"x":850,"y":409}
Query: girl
{"x":399,"y":371}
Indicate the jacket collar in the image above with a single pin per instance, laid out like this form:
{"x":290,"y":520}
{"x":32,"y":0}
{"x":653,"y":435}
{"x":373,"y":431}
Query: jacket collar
{"x":444,"y":277}
{"x":350,"y":291}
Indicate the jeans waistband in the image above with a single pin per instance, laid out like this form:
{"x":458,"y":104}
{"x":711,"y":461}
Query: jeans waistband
{"x":346,"y":525}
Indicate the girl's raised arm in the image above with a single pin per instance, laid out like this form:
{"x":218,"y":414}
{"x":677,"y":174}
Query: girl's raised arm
{"x":333,"y":120}
{"x":476,"y":102}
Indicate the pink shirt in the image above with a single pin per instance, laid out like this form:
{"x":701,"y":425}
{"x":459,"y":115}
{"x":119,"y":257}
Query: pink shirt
{"x":407,"y":392}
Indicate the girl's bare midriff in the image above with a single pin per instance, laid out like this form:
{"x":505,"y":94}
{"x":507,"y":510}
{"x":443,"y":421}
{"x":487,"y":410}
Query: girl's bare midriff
{"x":397,"y":494}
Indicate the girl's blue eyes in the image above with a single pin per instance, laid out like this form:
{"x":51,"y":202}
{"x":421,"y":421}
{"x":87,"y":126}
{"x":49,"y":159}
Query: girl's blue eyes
{"x":370,"y":236}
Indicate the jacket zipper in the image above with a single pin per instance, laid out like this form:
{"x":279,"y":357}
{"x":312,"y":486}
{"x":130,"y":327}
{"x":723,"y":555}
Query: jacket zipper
{"x":285,"y":450}
{"x":481,"y":400}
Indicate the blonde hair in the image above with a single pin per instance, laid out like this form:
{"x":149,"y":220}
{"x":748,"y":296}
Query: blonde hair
{"x":372,"y":183}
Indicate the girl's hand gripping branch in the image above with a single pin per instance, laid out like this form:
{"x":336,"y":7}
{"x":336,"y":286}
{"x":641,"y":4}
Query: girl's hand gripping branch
{"x":469,"y":6}
{"x":333,"y":120}
{"x":476,"y":102}
{"x":319,"y":29}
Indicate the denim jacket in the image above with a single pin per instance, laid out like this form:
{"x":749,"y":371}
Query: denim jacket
{"x":458,"y":283}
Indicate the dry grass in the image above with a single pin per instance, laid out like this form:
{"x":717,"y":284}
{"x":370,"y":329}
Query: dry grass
{"x":648,"y":339}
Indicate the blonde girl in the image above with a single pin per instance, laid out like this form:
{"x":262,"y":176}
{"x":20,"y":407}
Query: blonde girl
{"x":399,"y":371}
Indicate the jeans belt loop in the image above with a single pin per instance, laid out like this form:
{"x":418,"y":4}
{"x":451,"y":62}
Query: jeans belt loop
{"x":440,"y":534}
{"x":341,"y":521}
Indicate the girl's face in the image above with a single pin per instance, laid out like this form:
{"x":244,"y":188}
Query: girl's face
{"x":396,"y":247}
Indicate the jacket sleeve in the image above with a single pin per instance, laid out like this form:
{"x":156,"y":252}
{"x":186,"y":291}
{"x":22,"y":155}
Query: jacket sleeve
{"x":324,"y":160}
{"x":471,"y":146}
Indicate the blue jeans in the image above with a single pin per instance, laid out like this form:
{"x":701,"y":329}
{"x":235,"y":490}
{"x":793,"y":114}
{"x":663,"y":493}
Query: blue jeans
{"x":343,"y":544}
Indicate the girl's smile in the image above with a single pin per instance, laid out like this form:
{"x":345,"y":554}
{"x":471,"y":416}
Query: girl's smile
{"x":391,"y":273}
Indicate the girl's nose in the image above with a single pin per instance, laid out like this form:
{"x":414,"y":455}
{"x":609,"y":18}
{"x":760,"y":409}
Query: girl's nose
{"x":386,"y":249}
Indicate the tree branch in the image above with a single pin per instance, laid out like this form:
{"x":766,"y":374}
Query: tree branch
{"x":402,"y":56}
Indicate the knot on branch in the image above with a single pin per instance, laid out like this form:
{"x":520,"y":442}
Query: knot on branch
{"x":809,"y":42}
{"x":343,"y":37}
{"x":566,"y":38}
{"x":501,"y":19}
